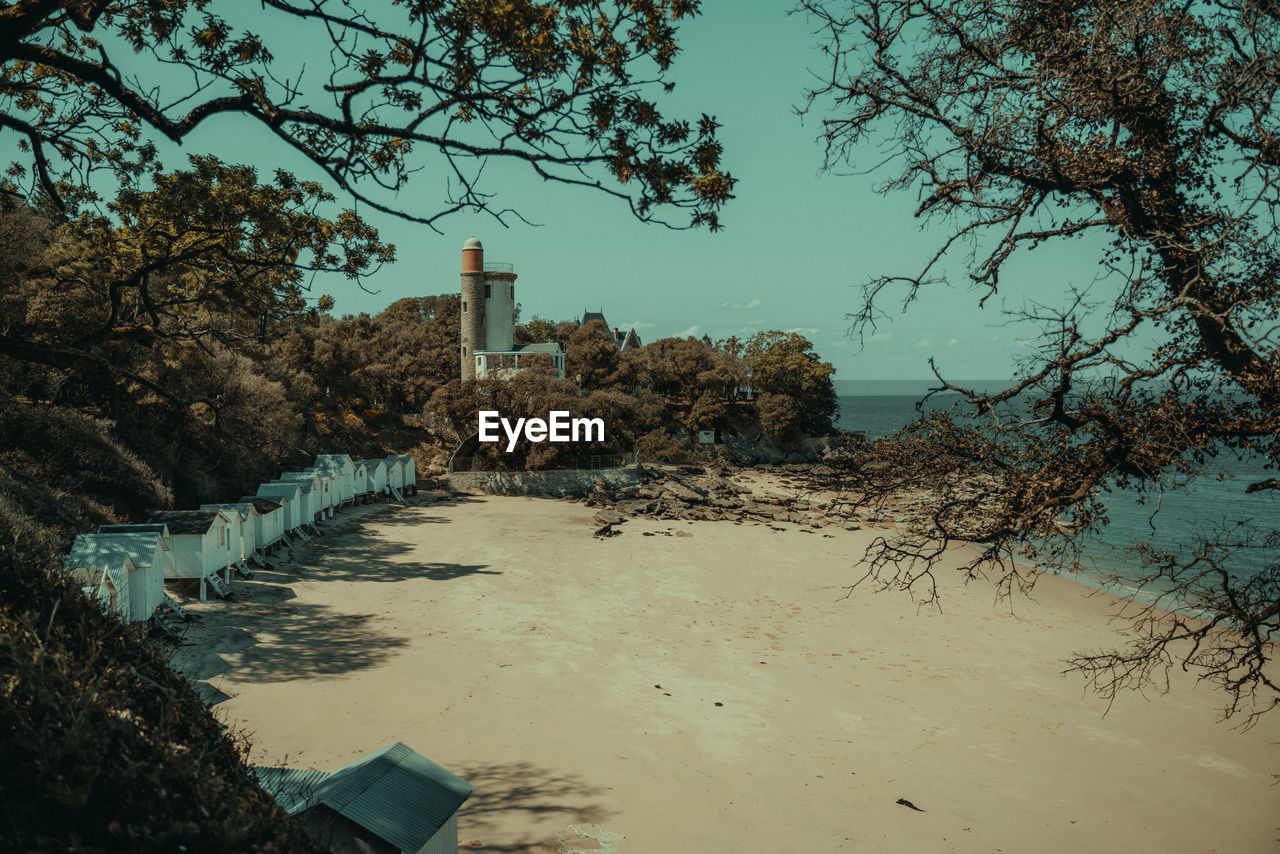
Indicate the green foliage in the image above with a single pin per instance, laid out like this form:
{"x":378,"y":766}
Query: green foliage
{"x":785,"y":363}
{"x":566,"y":90}
{"x":662,"y":447}
{"x":779,"y":416}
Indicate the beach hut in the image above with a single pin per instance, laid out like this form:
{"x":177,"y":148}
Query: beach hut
{"x":376,"y":473}
{"x":108,"y":584}
{"x":395,"y":800}
{"x":268,"y":521}
{"x":330,"y":489}
{"x":312,"y":493}
{"x":149,"y":558}
{"x":361,"y":480}
{"x":345,"y":469}
{"x":244,"y":538}
{"x":395,"y":476}
{"x":201,"y":544}
{"x":289,"y":496}
{"x":410,"y":471}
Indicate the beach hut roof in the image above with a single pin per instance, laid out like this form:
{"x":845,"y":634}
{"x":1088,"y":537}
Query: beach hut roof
{"x":304,"y":482}
{"x":159,"y":529}
{"x":397,"y":793}
{"x":104,"y":548}
{"x":280,"y":488}
{"x":374,"y":463}
{"x":188,"y":521}
{"x":337,"y":460}
{"x":244,"y":508}
{"x":405,"y":458}
{"x":262,"y":505}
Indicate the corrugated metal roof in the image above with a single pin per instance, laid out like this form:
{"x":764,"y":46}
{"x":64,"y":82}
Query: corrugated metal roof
{"x":99,"y":549}
{"x":304,"y":482}
{"x":293,"y":788}
{"x":159,"y":528}
{"x":262,"y":505}
{"x":188,"y":521}
{"x":397,"y":793}
{"x":279,"y":488}
{"x":374,"y":463}
{"x":244,"y":508}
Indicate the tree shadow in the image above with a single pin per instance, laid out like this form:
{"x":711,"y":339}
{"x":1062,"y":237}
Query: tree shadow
{"x":512,"y":794}
{"x":362,"y":557}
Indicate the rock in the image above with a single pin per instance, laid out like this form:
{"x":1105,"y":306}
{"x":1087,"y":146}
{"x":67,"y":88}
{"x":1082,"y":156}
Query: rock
{"x":609,"y":517}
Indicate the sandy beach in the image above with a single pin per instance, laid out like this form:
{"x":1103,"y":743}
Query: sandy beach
{"x":702,"y":686}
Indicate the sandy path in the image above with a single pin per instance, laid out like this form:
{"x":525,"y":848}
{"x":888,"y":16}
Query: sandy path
{"x":498,"y":638}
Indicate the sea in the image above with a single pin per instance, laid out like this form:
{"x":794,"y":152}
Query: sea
{"x":1203,"y":507}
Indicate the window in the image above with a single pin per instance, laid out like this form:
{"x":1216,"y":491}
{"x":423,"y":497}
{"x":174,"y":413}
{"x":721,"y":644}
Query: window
{"x":464,"y":306}
{"x":511,"y":291}
{"x":488,"y":291}
{"x":482,"y":321}
{"x":464,"y":350}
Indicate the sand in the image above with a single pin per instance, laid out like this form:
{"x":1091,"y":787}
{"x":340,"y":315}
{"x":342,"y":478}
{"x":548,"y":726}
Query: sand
{"x":707,"y":689}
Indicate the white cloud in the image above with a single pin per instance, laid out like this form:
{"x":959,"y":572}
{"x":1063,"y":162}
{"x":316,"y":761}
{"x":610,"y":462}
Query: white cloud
{"x":636,"y":324}
{"x":925,"y":342}
{"x":737,"y":306}
{"x":953,"y":342}
{"x":879,"y":336}
{"x":692,"y":332}
{"x":806,"y":331}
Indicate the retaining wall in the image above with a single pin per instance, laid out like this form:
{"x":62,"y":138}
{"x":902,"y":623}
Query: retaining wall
{"x":555,"y":482}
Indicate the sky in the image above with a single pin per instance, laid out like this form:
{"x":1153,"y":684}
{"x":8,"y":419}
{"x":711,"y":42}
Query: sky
{"x":796,"y":244}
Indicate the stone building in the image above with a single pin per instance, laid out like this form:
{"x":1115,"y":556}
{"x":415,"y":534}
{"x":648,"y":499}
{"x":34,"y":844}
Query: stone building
{"x":488,"y":320}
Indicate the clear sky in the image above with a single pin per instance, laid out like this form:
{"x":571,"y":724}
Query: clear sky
{"x":796,"y":245}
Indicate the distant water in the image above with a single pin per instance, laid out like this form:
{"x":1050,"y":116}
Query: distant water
{"x":1201,"y":506}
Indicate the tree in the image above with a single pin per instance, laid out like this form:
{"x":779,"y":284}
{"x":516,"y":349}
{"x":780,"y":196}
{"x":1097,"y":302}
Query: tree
{"x":591,"y":357}
{"x":1147,"y":134}
{"x":89,"y":86}
{"x":785,"y":363}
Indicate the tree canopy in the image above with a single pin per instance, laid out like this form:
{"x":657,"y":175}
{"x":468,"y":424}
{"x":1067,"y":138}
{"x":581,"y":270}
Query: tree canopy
{"x":89,"y":87}
{"x":1147,"y":134}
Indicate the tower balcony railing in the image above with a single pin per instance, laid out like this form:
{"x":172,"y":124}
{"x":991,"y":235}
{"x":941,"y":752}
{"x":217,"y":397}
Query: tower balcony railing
{"x":498,"y":267}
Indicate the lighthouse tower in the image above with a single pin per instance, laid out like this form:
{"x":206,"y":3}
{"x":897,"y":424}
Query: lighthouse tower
{"x":488,"y":307}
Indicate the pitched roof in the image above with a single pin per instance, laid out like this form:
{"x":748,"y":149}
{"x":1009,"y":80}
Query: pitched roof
{"x":188,"y":521}
{"x":155,"y":528}
{"x":588,"y":316}
{"x":262,"y":505}
{"x":304,"y":482}
{"x":278,"y":489}
{"x":552,"y":347}
{"x":397,"y":793}
{"x":338,"y":460}
{"x":374,"y":463}
{"x":244,"y":508}
{"x":293,"y":788}
{"x":105,"y":549}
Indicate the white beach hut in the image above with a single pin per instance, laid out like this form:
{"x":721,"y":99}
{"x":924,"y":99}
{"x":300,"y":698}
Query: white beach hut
{"x":312,"y":495}
{"x":361,"y":480}
{"x":289,"y":496}
{"x":345,"y":469}
{"x":410,"y":471}
{"x":395,"y":476}
{"x":376,"y":473}
{"x":268,"y":520}
{"x":201,"y":544}
{"x":108,"y":584}
{"x":142,"y":589}
{"x":245,"y":537}
{"x":330,"y":489}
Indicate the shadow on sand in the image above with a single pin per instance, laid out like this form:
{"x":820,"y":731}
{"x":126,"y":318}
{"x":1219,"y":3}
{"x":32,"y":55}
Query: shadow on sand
{"x":514,"y":794}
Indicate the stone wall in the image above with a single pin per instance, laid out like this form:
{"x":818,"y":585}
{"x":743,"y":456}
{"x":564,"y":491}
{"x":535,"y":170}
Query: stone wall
{"x":555,"y":482}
